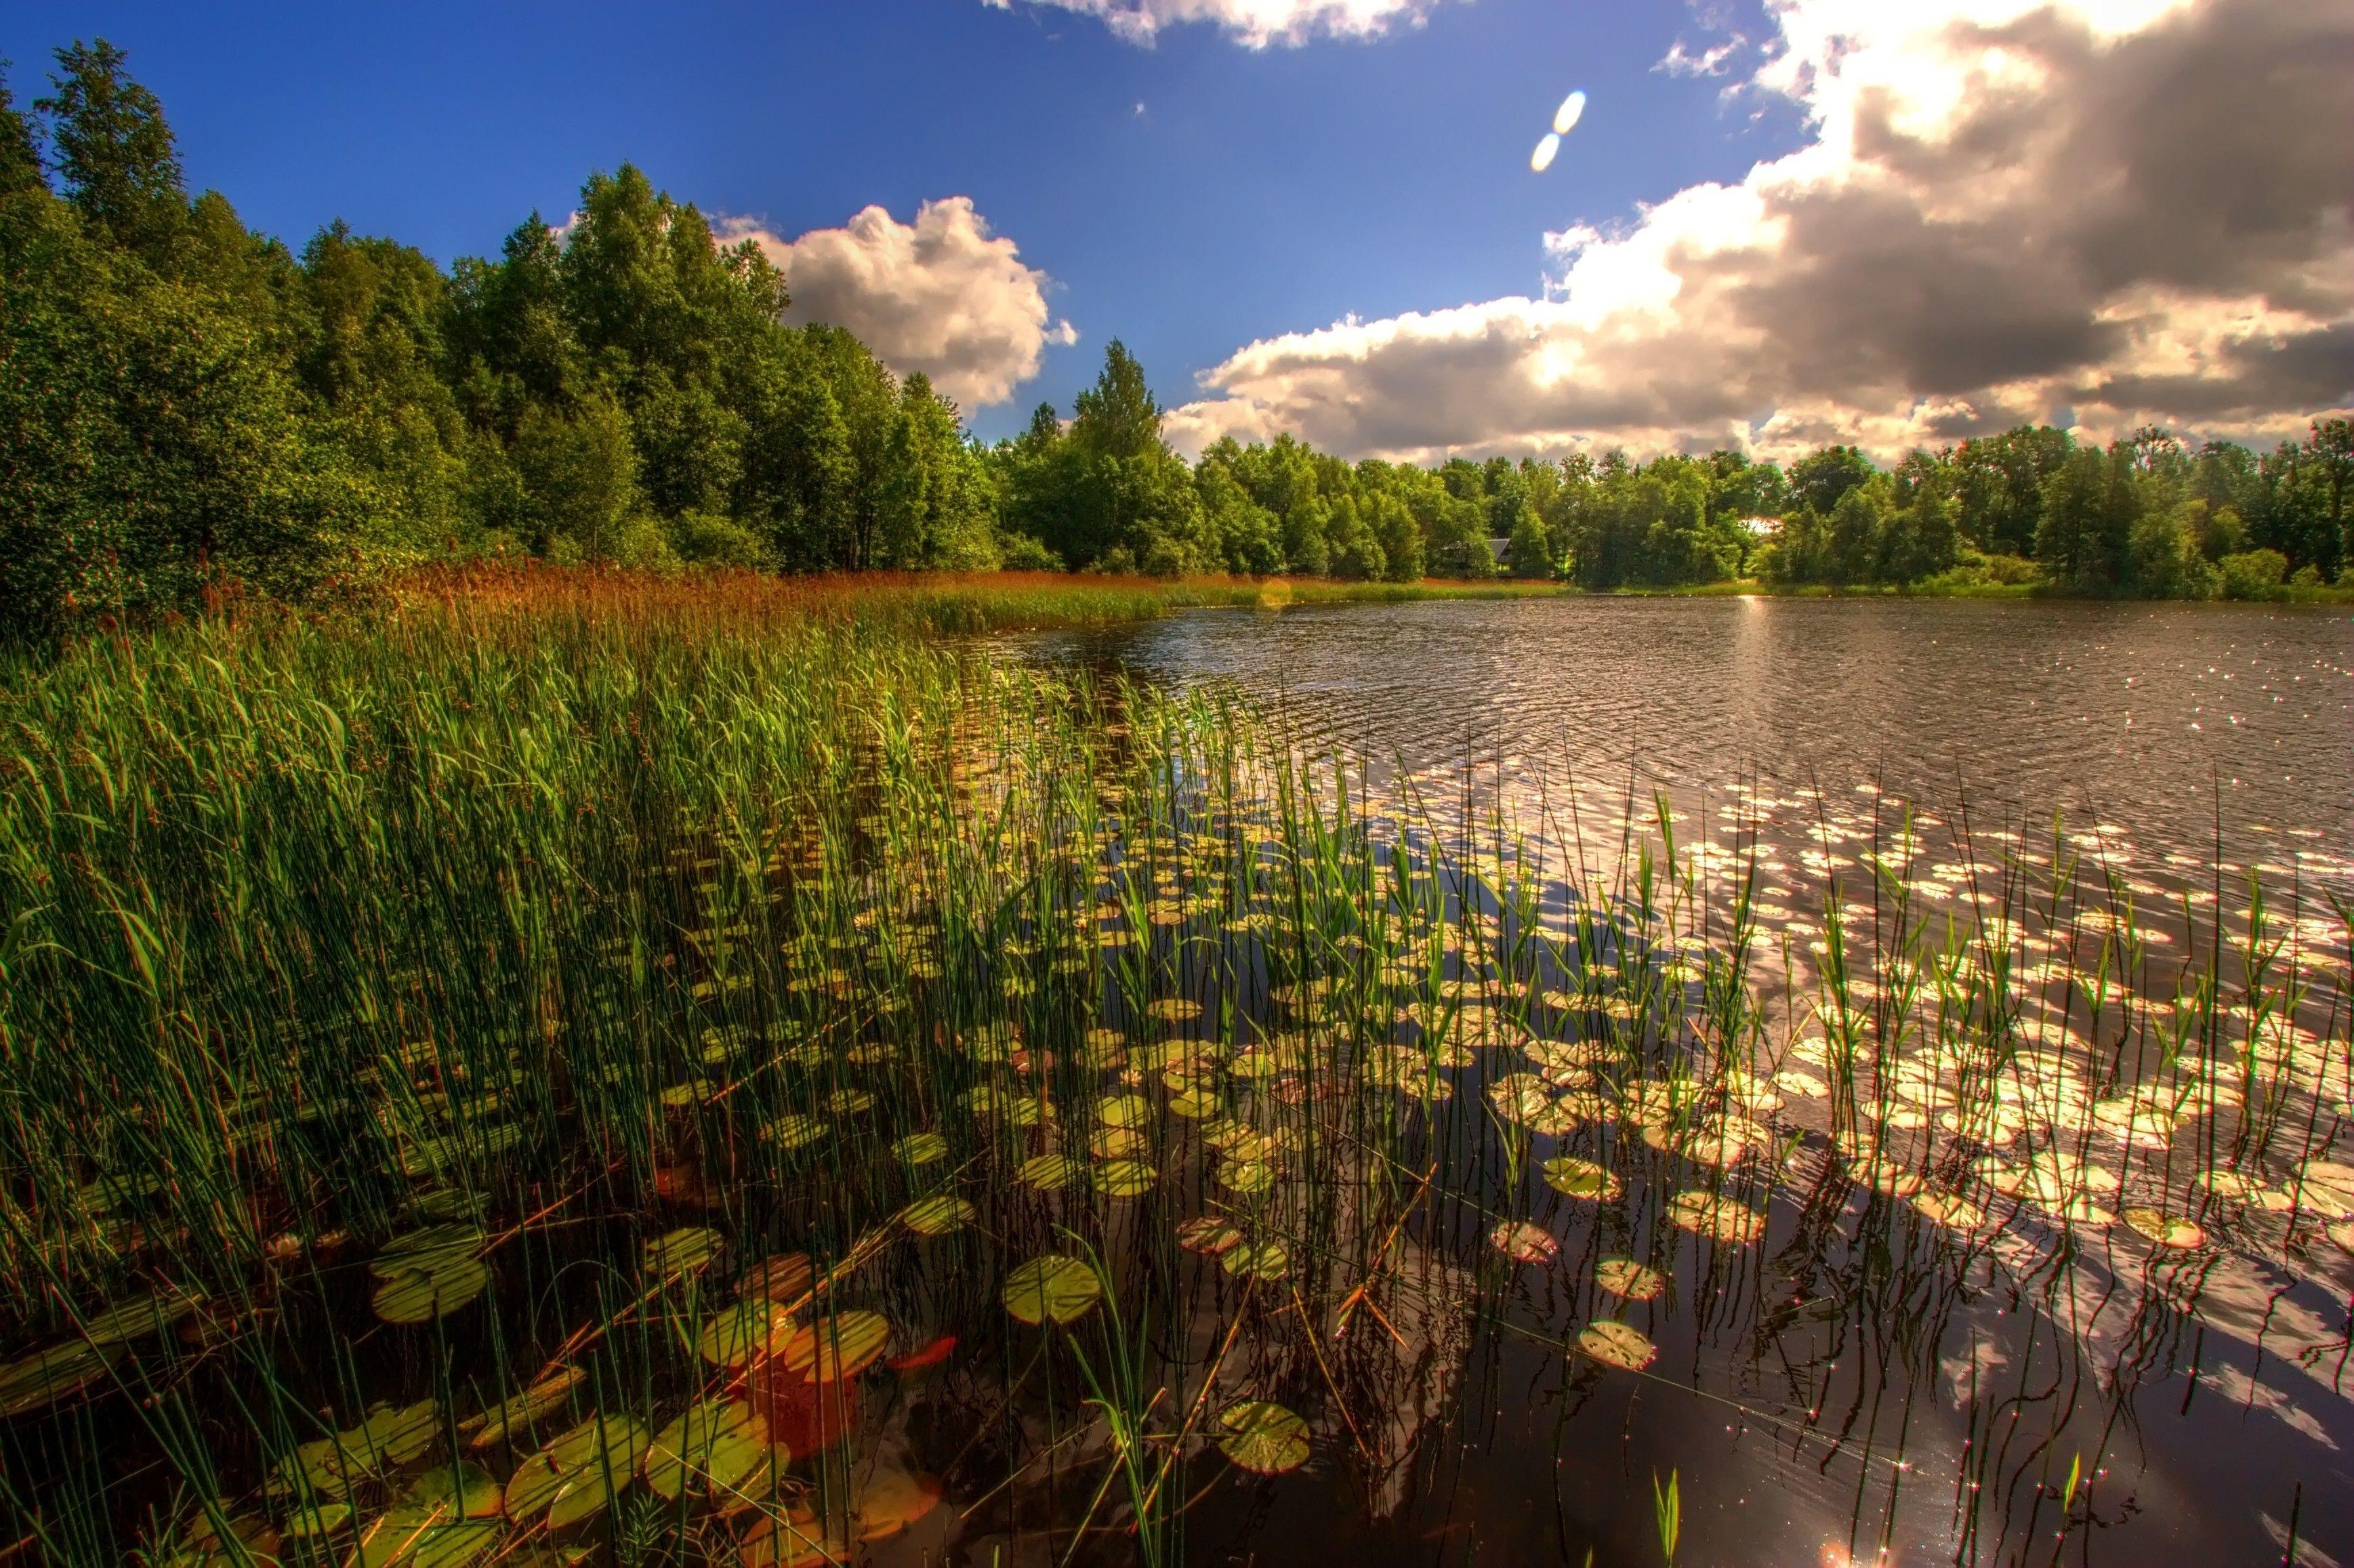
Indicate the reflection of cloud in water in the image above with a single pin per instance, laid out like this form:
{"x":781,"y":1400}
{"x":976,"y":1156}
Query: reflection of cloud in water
{"x":2308,"y":1554}
{"x":2242,"y":1389}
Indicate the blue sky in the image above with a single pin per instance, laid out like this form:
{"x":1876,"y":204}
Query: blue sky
{"x":1891,"y":224}
{"x":1256,"y":192}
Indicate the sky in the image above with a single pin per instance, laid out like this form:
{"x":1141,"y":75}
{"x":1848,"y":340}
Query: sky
{"x":1776,"y":222}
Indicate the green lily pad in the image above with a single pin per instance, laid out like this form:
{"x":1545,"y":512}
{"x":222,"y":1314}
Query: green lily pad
{"x":837,"y":1346}
{"x":411,"y":1536}
{"x":735,"y":1335}
{"x":425,"y":1249}
{"x":1125,"y":1178}
{"x":395,"y":1435}
{"x":518,"y":1413}
{"x":139,"y":1318}
{"x":1049,"y":1173}
{"x":941,"y":1215}
{"x":711,"y":1449}
{"x":465,"y":1491}
{"x":1248,"y":1177}
{"x":577,"y":1476}
{"x":1269,"y":1260}
{"x":794,"y":1132}
{"x":47,"y":1376}
{"x":1053,"y":1288}
{"x":314,"y":1523}
{"x":436,"y":1288}
{"x":1264,"y":1438}
{"x":687,"y":1250}
{"x":921,"y":1149}
{"x":1576,"y":1178}
{"x":1123,"y":1110}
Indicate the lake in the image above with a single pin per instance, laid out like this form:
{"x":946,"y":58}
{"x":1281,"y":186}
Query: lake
{"x":2162,"y":718}
{"x":1866,"y":1389}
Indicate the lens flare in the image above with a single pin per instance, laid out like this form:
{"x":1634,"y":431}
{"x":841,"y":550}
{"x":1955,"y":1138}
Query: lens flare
{"x":1542,"y":159}
{"x":1567,"y":114}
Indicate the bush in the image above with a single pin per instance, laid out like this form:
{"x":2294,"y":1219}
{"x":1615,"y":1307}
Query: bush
{"x":2252,"y":574}
{"x":709,"y":539}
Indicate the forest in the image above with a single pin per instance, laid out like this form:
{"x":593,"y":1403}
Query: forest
{"x":189,"y":406}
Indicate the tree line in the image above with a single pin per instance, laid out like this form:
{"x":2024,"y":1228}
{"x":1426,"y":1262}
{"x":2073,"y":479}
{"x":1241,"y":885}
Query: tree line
{"x":184,"y":402}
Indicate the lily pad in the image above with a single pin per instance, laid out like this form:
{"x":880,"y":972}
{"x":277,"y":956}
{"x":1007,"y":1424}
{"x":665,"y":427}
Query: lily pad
{"x":461,"y":1490}
{"x":941,"y":1215}
{"x":1576,"y":1178}
{"x":1264,"y":1438}
{"x":838,"y":1346}
{"x":1123,"y":1110}
{"x":1053,"y":1288}
{"x":140,"y":1317}
{"x":413,"y":1537}
{"x":1209,"y":1235}
{"x":1125,"y":1178}
{"x":2166,"y":1231}
{"x":1248,"y":1177}
{"x":47,"y":1376}
{"x":785,"y":1278}
{"x":439,"y":1286}
{"x":736,"y":1335}
{"x":1524,"y":1243}
{"x":577,"y":1476}
{"x":687,"y":1250}
{"x":1623,"y":1277}
{"x":794,"y":1132}
{"x":1721,"y":1218}
{"x":891,"y":1498}
{"x":921,"y":1149}
{"x":712,"y":1450}
{"x":1269,"y":1260}
{"x":1615,"y":1344}
{"x":519,"y":1411}
{"x":1049,"y":1173}
{"x":798,"y":1539}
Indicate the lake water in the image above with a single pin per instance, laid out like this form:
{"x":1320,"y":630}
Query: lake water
{"x":2159,"y":719}
{"x":1865,"y":1389}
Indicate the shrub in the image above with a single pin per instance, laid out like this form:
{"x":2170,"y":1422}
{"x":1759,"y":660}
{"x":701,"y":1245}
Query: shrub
{"x":2252,"y":574}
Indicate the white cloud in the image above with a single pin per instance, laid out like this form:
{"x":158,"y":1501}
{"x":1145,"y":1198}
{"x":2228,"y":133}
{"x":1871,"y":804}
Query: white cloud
{"x":1255,"y":23}
{"x":942,"y":295}
{"x":2110,"y":212}
{"x":1714,"y":61}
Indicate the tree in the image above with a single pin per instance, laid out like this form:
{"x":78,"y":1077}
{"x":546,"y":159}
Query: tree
{"x":1117,"y":417}
{"x":1820,"y":479}
{"x":2088,"y":514}
{"x":2332,"y":447}
{"x":121,"y":168}
{"x":20,"y":159}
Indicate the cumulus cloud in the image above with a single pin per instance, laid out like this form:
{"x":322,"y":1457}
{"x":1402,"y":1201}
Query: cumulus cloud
{"x":1255,"y":23}
{"x":2103,"y":212}
{"x":942,"y":295}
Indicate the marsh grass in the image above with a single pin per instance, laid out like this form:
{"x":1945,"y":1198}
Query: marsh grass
{"x":625,"y":1018}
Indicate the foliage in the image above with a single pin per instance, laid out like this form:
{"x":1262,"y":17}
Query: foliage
{"x":190,"y":408}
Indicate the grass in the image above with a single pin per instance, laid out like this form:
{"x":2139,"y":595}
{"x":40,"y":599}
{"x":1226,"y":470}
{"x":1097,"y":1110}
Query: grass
{"x":510,"y":1070}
